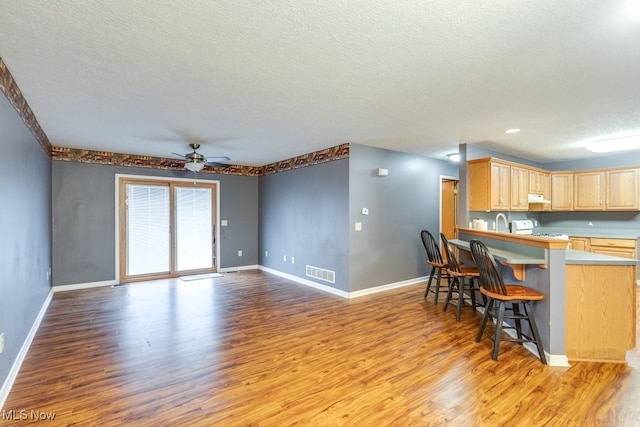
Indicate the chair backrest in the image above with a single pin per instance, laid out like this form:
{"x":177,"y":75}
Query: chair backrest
{"x":490,"y":275}
{"x":452,"y":262}
{"x":430,"y":244}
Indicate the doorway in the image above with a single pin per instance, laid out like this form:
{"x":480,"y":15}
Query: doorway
{"x":449,"y":207}
{"x":167,"y":228}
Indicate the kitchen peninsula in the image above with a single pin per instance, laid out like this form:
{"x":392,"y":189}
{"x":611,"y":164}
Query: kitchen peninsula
{"x":589,"y":309}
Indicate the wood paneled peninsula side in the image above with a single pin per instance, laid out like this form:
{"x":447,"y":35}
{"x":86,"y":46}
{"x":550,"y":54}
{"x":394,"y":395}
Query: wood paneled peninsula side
{"x":589,"y":309}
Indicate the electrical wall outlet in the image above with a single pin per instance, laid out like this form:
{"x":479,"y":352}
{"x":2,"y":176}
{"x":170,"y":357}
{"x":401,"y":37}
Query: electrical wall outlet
{"x":284,"y":258}
{"x":239,"y":253}
{"x":1,"y":342}
{"x":293,"y":260}
{"x":266,"y":254}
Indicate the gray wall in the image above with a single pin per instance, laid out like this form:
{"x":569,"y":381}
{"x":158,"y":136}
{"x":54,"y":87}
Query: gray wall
{"x":304,"y":213}
{"x":25,"y":232}
{"x":389,"y":249}
{"x":84,"y":219}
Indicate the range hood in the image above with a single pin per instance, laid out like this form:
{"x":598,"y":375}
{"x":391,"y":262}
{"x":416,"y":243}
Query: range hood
{"x":538,"y":198}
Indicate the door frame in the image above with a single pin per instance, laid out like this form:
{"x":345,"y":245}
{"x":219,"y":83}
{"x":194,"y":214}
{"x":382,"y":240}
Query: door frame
{"x":456,"y":201}
{"x":216,"y":196}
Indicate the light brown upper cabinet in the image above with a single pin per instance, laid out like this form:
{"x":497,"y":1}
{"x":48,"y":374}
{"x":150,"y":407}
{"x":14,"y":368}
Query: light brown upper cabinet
{"x":607,"y":189}
{"x":622,"y":189}
{"x":540,"y":183}
{"x":561,"y":191}
{"x":496,"y":184}
{"x":488,"y":185}
{"x":588,"y":191}
{"x":519,"y":184}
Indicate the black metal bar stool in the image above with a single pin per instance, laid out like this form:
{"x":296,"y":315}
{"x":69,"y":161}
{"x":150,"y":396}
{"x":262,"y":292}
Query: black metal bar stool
{"x":434,"y":259}
{"x":463,"y":280}
{"x":499,"y":295}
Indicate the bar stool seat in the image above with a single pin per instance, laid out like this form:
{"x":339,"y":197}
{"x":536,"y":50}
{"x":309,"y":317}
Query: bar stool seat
{"x":498,"y":296}
{"x":438,"y":266}
{"x":462,"y":280}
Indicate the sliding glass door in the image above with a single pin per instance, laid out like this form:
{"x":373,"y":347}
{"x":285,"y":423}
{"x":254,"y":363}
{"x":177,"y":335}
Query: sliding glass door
{"x":194,"y":228}
{"x":167,"y":228}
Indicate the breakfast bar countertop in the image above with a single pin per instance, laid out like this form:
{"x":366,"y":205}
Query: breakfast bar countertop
{"x":572,"y":257}
{"x":508,"y":257}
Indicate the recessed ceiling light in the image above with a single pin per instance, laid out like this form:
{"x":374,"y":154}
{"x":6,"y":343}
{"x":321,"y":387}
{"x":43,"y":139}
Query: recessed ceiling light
{"x":514,"y":130}
{"x":614,"y":143}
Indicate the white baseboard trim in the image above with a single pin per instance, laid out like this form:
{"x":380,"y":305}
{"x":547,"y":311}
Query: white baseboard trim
{"x":15,"y":368}
{"x":306,"y":282}
{"x":239,"y":268}
{"x":387,"y":287}
{"x":341,"y":293}
{"x":557,"y":359}
{"x":74,"y":287}
{"x":552,"y":359}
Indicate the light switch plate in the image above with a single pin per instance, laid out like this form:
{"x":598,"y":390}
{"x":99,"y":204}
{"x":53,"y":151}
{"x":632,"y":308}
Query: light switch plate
{"x":358,"y":226}
{"x":223,"y":223}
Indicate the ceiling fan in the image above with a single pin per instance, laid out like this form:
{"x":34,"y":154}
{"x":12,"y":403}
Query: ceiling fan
{"x":195,"y":161}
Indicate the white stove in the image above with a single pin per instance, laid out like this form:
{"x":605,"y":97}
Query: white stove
{"x":525,"y":227}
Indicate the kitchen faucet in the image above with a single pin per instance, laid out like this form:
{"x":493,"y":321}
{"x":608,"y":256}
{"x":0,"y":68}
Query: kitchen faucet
{"x":506,"y":224}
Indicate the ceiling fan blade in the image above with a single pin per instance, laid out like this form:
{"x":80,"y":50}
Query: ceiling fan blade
{"x":217,"y":159}
{"x":218,"y":165}
{"x":177,"y":154}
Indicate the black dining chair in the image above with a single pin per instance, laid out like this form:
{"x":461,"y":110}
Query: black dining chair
{"x":498,"y":296}
{"x":438,"y":266}
{"x":463,"y":280}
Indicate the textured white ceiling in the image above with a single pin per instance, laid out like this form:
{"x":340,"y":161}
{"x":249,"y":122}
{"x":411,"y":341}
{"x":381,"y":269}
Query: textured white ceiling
{"x":261,"y":81}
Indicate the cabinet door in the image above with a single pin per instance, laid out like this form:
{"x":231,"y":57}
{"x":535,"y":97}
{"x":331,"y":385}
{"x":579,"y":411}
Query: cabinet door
{"x":562,"y":191}
{"x":621,"y":190}
{"x":579,"y":244}
{"x":519,"y":185}
{"x":539,"y":183}
{"x":625,"y":248}
{"x":499,"y":186}
{"x":620,"y":252}
{"x":588,"y":191}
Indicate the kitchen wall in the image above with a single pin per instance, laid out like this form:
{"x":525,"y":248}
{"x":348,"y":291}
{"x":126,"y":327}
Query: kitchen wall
{"x":84,"y":210}
{"x":25,"y":233}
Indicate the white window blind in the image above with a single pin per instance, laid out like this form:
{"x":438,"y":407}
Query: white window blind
{"x":194,"y":231}
{"x":148,"y":229}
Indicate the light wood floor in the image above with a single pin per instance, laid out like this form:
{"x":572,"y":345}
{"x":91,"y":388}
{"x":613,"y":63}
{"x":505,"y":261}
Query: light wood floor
{"x":251,"y":348}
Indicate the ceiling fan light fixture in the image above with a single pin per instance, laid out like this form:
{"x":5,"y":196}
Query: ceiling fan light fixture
{"x":194,"y":166}
{"x":454,"y":157}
